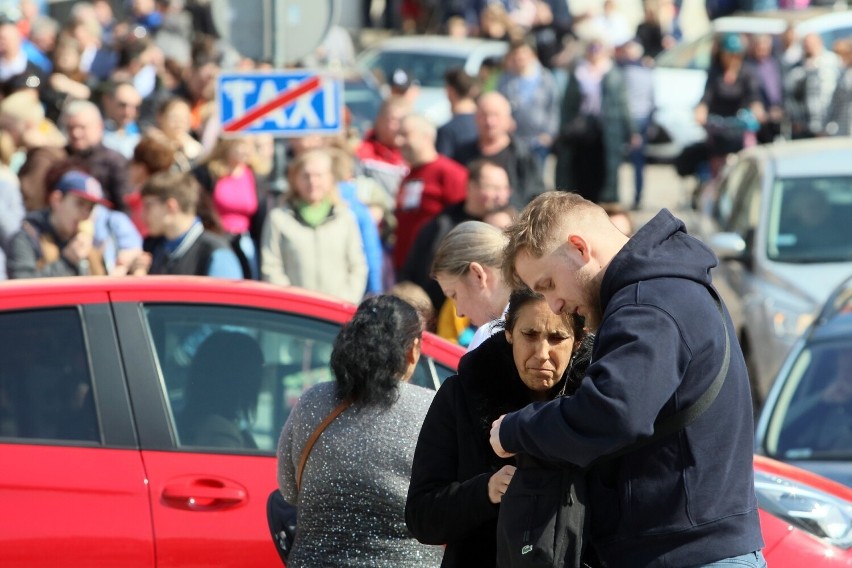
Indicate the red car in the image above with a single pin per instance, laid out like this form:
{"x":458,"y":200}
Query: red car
{"x":94,"y":376}
{"x":99,"y":467}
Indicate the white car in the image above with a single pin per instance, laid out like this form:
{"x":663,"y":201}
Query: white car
{"x":680,"y":72}
{"x":426,"y":59}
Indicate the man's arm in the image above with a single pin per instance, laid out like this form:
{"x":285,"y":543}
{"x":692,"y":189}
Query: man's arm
{"x":644,"y":358}
{"x":22,"y":261}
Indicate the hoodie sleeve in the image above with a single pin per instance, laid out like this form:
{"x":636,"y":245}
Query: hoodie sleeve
{"x":440,"y":507}
{"x":641,"y":359}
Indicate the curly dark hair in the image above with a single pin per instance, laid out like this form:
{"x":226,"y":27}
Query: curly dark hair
{"x":369,"y":354}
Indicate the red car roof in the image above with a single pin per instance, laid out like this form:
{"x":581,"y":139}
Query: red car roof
{"x":37,"y":292}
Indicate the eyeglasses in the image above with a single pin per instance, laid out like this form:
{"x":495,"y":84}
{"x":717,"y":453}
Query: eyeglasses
{"x":126,"y":104}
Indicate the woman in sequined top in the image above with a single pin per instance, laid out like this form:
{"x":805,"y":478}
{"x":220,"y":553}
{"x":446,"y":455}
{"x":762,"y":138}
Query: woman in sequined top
{"x":352,"y":497}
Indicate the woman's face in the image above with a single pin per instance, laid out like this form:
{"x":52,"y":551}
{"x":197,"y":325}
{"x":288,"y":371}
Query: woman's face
{"x":314,"y":181}
{"x":66,"y":59}
{"x":596,"y":52}
{"x":472,"y":299}
{"x":175,"y":120}
{"x":542,"y":343}
{"x":137,"y":173}
{"x":239,"y":153}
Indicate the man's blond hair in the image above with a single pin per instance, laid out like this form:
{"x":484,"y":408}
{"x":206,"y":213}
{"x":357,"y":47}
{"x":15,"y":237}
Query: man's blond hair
{"x":541,"y":226}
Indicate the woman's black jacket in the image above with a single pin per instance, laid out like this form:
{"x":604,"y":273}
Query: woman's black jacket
{"x":448,"y":496}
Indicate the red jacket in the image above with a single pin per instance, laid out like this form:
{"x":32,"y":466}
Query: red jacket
{"x":424,"y":193}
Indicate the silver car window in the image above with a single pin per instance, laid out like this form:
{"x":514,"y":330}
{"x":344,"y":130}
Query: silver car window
{"x":813,"y":416}
{"x":811,"y":220}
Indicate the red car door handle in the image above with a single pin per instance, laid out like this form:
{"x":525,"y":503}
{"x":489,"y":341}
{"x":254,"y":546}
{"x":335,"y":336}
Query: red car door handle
{"x":200,"y":494}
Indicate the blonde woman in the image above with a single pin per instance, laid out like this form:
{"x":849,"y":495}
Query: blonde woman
{"x":467,"y":267}
{"x":313,"y":240}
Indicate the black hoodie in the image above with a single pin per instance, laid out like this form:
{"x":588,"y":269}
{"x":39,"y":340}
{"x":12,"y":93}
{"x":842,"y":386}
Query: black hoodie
{"x":685,"y":500}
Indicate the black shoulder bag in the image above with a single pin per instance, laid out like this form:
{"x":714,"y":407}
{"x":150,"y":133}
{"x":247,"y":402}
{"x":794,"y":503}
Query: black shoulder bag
{"x":544,"y":511}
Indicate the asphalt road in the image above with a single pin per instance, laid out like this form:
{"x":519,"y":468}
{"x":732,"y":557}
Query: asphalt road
{"x":663,"y":189}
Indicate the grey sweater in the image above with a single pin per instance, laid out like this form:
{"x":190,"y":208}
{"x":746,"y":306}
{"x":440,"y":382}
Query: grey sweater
{"x":352,"y":500}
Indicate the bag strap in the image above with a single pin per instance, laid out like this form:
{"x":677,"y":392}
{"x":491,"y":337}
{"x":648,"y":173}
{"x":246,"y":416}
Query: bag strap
{"x":309,"y":445}
{"x":686,"y":416}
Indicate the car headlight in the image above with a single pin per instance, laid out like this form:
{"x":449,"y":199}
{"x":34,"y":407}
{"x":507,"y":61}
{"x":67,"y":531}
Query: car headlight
{"x":814,"y":511}
{"x":789,"y":324}
{"x":789,"y":321}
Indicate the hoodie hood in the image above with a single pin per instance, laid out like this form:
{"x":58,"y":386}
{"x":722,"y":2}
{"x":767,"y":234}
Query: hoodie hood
{"x":660,"y":249}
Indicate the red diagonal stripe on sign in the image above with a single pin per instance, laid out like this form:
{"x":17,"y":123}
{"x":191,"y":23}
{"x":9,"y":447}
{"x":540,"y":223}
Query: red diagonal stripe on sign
{"x":282,"y":99}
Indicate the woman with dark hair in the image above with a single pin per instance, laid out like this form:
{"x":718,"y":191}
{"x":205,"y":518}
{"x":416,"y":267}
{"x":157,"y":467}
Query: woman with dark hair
{"x":457,"y":482}
{"x":352,"y":495}
{"x":731,"y":100}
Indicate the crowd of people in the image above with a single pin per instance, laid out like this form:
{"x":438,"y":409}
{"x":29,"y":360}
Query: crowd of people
{"x":118,"y":116}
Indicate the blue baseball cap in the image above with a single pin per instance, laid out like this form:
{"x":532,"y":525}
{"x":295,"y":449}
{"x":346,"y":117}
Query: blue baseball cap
{"x":82,"y":185}
{"x":732,"y":43}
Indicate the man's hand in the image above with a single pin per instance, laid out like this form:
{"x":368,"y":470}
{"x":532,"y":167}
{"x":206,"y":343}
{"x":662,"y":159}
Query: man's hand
{"x":140,"y":265}
{"x":495,"y":439}
{"x":78,"y":248}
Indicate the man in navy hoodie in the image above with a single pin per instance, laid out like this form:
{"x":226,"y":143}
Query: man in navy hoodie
{"x":687,"y":499}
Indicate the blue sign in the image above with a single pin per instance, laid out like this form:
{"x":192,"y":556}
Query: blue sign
{"x":282,"y":103}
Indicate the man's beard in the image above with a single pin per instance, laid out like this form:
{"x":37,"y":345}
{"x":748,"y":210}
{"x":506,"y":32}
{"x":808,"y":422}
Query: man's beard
{"x":591,"y":298}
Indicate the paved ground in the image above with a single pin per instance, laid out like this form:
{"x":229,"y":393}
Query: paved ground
{"x":663,"y":188}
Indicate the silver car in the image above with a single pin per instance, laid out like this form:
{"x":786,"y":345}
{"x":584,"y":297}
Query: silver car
{"x":780,"y":221}
{"x":426,"y":59}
